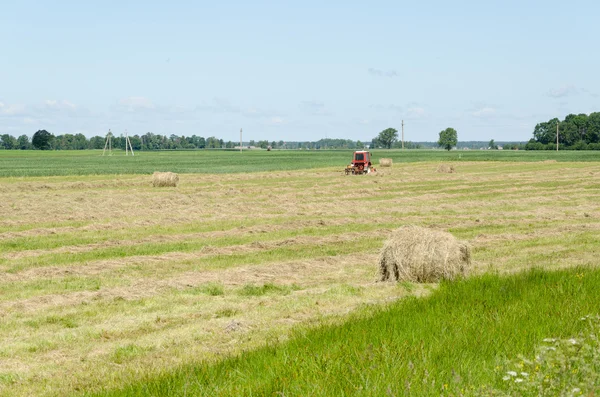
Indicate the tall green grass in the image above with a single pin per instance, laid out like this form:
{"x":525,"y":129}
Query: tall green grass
{"x":452,"y":342}
{"x":91,"y":162}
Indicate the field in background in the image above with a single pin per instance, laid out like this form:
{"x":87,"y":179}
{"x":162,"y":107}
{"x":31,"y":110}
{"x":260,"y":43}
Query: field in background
{"x":15,"y":163}
{"x":104,"y":278}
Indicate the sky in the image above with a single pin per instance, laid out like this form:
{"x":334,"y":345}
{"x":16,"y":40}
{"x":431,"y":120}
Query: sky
{"x":296,"y":70}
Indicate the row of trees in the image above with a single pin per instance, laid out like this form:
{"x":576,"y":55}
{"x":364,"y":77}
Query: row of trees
{"x":579,"y":132}
{"x":388,"y":139}
{"x":45,"y":140}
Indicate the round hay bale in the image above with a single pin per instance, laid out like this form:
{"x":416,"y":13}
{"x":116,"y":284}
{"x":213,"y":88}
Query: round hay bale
{"x":446,"y":168}
{"x":383,"y":162}
{"x":422,"y":255}
{"x":161,"y":179}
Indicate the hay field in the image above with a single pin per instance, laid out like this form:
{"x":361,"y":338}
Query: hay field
{"x":104,"y":278}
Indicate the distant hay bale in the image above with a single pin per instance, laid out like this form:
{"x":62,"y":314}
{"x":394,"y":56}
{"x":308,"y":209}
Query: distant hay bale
{"x":422,"y":255}
{"x":160,"y":179}
{"x":446,"y":168}
{"x":385,"y":162}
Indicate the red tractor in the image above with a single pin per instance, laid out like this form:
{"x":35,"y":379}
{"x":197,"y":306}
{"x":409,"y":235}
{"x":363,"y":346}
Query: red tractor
{"x":361,"y":164}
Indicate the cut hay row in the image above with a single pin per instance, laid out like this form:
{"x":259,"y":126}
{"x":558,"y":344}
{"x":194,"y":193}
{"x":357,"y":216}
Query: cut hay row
{"x":422,"y":255}
{"x":103,"y":282}
{"x":165,"y":179}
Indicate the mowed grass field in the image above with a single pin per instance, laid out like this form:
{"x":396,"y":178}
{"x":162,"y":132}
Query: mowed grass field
{"x":105,"y":280}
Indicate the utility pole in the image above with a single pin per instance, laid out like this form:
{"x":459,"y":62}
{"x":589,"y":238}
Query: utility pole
{"x":241,"y":146}
{"x":403,"y":134}
{"x":557,"y":136}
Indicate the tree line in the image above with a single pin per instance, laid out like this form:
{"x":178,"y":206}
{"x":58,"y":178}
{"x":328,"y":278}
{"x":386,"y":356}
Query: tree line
{"x":44,"y":140}
{"x":575,"y":132}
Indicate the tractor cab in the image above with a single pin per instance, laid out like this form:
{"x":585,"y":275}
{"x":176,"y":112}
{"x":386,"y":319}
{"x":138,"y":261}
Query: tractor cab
{"x":361,"y":163}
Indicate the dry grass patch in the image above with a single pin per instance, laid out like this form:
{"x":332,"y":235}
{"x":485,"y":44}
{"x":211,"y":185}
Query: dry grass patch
{"x":127,"y":286}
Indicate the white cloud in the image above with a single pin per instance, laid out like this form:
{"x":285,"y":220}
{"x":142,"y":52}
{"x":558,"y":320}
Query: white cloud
{"x":415,"y":112}
{"x":11,"y":110}
{"x":59,"y":105}
{"x":485,"y":111}
{"x":314,"y":108}
{"x":382,"y":73}
{"x":276,"y":120}
{"x":135,"y":103}
{"x":563,"y":91}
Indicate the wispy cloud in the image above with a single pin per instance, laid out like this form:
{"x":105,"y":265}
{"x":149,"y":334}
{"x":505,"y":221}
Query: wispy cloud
{"x":382,"y":73}
{"x":484,"y":112}
{"x":53,"y":104}
{"x":415,"y":112}
{"x":276,"y":120}
{"x":411,"y":110}
{"x":11,"y":109}
{"x":135,"y":103}
{"x":569,"y":90}
{"x":314,"y":108}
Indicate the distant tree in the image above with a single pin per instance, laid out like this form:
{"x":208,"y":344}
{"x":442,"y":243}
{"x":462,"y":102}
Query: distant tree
{"x":593,"y":131}
{"x":360,"y":145}
{"x":492,"y":145}
{"x":136,"y":142}
{"x":273,"y":144}
{"x":97,"y":142}
{"x":387,"y":137}
{"x":23,"y":142}
{"x":201,"y":143}
{"x":42,"y":140}
{"x":448,"y":138}
{"x":8,"y":142}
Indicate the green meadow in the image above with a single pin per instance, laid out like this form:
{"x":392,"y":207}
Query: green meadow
{"x":91,"y":162}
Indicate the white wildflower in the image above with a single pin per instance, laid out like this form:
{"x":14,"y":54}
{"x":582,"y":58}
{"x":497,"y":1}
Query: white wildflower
{"x":525,"y":374}
{"x":512,"y":373}
{"x":572,"y":341}
{"x":518,"y":380}
{"x":506,"y":377}
{"x":550,"y":340}
{"x":576,"y":390}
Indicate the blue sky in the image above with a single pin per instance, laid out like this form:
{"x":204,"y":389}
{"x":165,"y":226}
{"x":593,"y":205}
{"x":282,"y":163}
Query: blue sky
{"x":296,"y":70}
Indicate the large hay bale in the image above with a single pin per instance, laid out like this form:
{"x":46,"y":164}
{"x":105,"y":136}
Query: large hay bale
{"x":383,"y":162}
{"x":160,"y":179}
{"x":422,"y":255}
{"x":446,"y":168}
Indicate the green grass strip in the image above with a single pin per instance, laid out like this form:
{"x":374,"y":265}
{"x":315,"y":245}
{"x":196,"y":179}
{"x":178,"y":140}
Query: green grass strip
{"x":448,"y":343}
{"x":35,"y":163}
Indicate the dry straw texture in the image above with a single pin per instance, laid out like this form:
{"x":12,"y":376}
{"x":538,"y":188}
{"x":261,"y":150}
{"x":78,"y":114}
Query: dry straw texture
{"x":418,"y":254}
{"x":385,"y":162}
{"x":160,"y":179}
{"x":446,"y":168}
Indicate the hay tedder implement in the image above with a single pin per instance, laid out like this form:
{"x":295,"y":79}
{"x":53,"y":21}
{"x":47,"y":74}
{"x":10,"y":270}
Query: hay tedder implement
{"x":361,"y":164}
